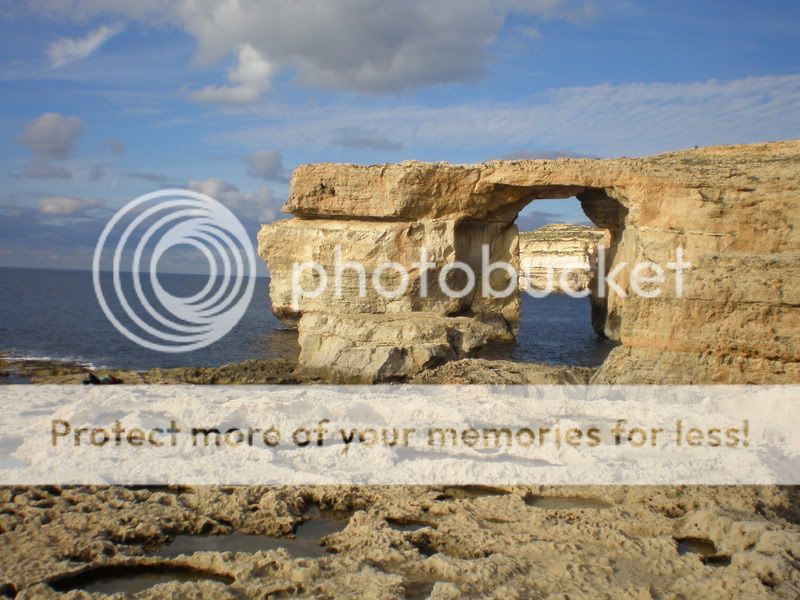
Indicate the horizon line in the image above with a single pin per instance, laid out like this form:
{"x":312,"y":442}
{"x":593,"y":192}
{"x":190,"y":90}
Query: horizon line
{"x":257,"y":275}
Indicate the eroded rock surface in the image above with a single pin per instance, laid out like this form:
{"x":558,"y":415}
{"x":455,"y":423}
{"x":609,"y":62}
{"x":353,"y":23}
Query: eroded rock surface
{"x":263,"y":371}
{"x":556,"y":254}
{"x":370,"y":348}
{"x":413,"y":542}
{"x":490,"y":372}
{"x":732,"y":209}
{"x":281,"y":372}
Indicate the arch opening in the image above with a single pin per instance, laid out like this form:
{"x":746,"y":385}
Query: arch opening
{"x":563,"y":230}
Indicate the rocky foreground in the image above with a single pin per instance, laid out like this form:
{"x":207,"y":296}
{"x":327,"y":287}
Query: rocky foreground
{"x":407,"y":542}
{"x":392,"y":542}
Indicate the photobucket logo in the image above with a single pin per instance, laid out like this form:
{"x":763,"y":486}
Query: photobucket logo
{"x":539,"y":277}
{"x":140,"y":235}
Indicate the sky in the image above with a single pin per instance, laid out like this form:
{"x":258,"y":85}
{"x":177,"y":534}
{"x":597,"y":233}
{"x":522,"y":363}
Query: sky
{"x":104,"y":100}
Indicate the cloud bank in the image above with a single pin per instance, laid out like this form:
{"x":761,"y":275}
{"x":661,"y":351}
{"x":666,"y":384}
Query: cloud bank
{"x":354,"y":45}
{"x":603,"y":120}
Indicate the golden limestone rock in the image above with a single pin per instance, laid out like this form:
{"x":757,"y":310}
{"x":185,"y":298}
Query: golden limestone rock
{"x":732,"y":316}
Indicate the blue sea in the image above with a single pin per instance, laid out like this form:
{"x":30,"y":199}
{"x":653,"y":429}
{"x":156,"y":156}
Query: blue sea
{"x":54,"y":314}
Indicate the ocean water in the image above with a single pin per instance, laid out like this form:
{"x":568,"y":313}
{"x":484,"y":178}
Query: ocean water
{"x":556,"y":330}
{"x":55,"y":314}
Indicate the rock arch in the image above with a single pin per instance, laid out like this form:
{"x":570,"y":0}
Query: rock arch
{"x":732,"y":209}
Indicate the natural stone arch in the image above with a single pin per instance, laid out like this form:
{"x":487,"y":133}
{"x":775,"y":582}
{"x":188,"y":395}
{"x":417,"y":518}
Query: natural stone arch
{"x":730,"y":208}
{"x":604,"y":211}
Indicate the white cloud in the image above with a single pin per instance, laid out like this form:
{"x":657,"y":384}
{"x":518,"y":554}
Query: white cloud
{"x":374,"y":45}
{"x":67,"y":50}
{"x":250,"y":78}
{"x":52,"y":135}
{"x":362,"y":45}
{"x":215,"y":188}
{"x":62,"y":206}
{"x":261,"y":206}
{"x":266,"y":165}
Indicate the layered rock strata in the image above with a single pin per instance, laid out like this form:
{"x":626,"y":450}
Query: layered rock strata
{"x":732,"y":210}
{"x":384,"y":347}
{"x":559,"y":254}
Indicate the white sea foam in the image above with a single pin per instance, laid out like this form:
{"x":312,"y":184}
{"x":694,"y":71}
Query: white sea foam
{"x":22,"y":357}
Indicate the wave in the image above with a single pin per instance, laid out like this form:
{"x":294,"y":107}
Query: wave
{"x":26,"y":357}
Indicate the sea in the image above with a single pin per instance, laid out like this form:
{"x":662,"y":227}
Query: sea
{"x":55,"y":315}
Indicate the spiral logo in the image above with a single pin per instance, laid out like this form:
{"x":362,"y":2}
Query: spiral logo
{"x":134,"y":299}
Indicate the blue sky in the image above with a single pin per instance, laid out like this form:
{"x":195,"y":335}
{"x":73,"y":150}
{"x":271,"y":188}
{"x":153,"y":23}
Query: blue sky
{"x":104,"y":101}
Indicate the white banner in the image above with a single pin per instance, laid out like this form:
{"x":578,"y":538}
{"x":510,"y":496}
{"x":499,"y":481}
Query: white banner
{"x":399,"y":434}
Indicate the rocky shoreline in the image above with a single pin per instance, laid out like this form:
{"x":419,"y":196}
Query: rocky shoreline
{"x":40,"y":371}
{"x":284,"y":372}
{"x":397,"y":541}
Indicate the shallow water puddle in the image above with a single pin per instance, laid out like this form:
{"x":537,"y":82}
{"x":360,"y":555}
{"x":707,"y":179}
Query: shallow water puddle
{"x":407,"y":525}
{"x":131,"y":579}
{"x":14,"y":380}
{"x":705,"y":548}
{"x":468,"y":492}
{"x":307,"y":542}
{"x":418,"y":588}
{"x":565,"y":503}
{"x":699,"y":546}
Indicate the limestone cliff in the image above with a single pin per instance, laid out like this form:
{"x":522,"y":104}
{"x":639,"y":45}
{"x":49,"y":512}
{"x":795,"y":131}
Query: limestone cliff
{"x":733,"y":209}
{"x":559,"y":252}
